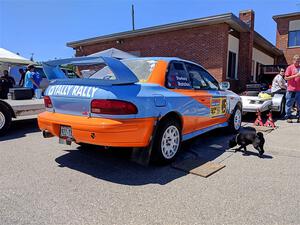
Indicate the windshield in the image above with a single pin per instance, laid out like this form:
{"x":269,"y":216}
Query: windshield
{"x":142,"y":69}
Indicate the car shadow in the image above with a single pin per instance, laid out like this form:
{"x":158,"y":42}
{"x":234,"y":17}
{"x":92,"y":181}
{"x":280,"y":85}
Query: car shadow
{"x":114,"y":164}
{"x":20,"y":128}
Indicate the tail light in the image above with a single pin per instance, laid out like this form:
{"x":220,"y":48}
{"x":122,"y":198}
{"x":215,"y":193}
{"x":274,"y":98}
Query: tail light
{"x":112,"y":107}
{"x":48,"y":102}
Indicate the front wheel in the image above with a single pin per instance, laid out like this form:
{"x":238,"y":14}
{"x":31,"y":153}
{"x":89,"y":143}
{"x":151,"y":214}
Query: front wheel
{"x":235,"y":121}
{"x":5,"y":119}
{"x":167,"y":141}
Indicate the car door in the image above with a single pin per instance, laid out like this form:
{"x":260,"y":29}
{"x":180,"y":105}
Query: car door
{"x":208,"y":94}
{"x":178,"y":80}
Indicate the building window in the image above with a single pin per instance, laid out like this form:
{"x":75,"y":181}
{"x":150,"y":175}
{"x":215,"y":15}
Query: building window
{"x":294,"y":38}
{"x":231,"y":72}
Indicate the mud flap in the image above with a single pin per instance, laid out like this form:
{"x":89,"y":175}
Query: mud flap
{"x":142,"y":156}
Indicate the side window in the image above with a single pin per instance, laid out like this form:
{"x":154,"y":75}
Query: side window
{"x":212,"y":82}
{"x":178,"y":77}
{"x":195,"y":73}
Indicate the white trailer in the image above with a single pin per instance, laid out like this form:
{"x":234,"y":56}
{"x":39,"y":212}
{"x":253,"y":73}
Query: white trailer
{"x":255,"y":103}
{"x":20,"y":109}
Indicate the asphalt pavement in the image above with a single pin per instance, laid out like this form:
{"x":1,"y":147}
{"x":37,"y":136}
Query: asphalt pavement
{"x":43,"y":182}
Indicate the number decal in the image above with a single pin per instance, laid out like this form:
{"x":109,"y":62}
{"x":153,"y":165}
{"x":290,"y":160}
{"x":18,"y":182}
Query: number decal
{"x":218,"y":107}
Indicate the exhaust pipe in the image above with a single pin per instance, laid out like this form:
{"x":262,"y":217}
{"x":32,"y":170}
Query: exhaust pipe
{"x":47,"y":134}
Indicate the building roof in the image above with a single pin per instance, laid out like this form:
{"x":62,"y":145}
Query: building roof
{"x":264,"y":43}
{"x":229,"y":18}
{"x":285,"y":15}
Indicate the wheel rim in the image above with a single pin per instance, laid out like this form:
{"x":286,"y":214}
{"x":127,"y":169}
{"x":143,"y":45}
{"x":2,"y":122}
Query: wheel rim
{"x":2,"y":120}
{"x":170,"y":142}
{"x":237,"y":119}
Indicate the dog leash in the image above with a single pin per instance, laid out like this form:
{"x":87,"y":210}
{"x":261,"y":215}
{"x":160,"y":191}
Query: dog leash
{"x":236,"y":137}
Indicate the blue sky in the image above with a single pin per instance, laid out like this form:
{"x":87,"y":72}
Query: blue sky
{"x":43,"y":27}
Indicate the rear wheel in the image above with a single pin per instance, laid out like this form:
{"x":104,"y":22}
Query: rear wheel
{"x":5,"y":119}
{"x":167,"y":141}
{"x":235,"y":121}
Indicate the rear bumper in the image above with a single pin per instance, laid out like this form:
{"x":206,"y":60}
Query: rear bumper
{"x":100,"y":131}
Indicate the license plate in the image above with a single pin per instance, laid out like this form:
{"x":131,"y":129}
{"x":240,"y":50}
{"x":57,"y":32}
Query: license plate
{"x":66,"y":132}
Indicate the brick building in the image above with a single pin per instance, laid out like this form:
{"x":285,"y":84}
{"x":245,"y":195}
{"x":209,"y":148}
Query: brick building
{"x":288,"y":35}
{"x":226,"y":45}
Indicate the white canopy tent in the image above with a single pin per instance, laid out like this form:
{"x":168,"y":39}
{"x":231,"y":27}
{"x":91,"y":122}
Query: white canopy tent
{"x":115,"y":53}
{"x":111,"y":52}
{"x":12,"y":58}
{"x":12,"y":62}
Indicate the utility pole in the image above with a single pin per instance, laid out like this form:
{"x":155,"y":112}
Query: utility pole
{"x":31,"y":58}
{"x":132,"y":16}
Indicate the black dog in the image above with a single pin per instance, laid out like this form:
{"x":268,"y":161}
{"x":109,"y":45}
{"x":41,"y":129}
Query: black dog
{"x":246,"y":137}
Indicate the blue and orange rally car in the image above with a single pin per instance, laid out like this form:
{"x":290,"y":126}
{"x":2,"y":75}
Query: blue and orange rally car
{"x":139,"y":102}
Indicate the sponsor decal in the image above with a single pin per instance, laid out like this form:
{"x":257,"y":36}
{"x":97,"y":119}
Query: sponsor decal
{"x":179,"y":81}
{"x":72,"y":90}
{"x":218,"y":107}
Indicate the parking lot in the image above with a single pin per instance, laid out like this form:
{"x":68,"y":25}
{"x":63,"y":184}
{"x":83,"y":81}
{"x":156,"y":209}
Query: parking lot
{"x":43,"y":182}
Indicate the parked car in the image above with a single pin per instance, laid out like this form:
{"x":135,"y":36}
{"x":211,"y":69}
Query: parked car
{"x":253,"y":103}
{"x":142,"y":102}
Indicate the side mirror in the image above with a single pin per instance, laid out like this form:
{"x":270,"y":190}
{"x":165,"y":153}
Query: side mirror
{"x":224,"y":85}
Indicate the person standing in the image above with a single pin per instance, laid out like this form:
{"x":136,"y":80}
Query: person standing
{"x":37,"y":78}
{"x":22,"y":74}
{"x":29,"y":81}
{"x":292,"y":75}
{"x":11,"y":81}
{"x":279,"y":85}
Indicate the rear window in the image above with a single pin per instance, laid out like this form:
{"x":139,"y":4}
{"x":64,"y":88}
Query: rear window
{"x":142,"y":68}
{"x":103,"y":74}
{"x":70,"y":73}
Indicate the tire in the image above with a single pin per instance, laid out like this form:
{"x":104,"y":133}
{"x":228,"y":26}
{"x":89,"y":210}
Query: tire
{"x":281,"y":113}
{"x":5,"y":119}
{"x":235,"y":120}
{"x":167,"y":141}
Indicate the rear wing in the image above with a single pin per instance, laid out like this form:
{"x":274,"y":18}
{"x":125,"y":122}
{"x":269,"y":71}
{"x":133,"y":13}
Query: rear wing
{"x":122,"y":73}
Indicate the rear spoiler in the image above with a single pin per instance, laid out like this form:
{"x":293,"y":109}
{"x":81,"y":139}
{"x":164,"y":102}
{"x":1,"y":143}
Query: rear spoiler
{"x":122,"y":73}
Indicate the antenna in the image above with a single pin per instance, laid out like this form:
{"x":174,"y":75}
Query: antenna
{"x":132,"y":16}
